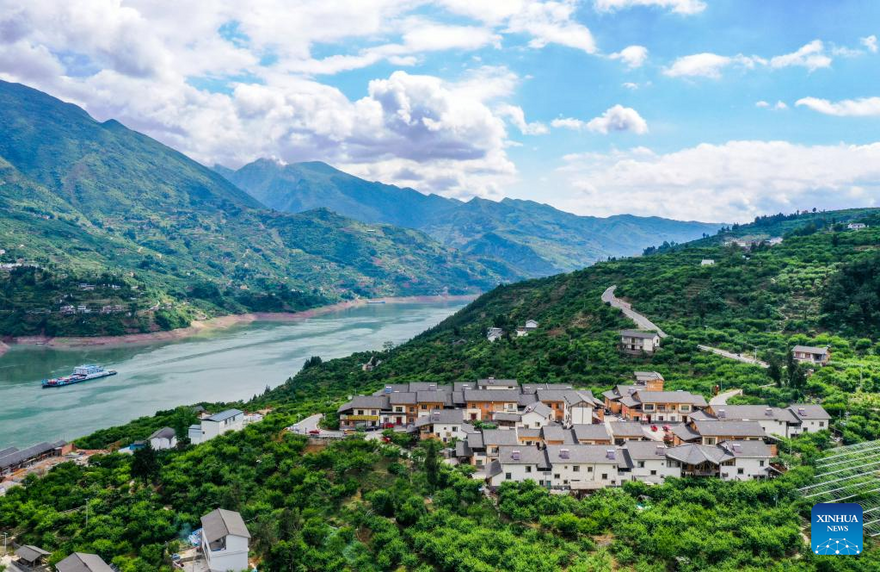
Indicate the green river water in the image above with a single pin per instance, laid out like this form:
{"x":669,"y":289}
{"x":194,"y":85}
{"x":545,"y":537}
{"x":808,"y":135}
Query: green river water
{"x":223,"y":365}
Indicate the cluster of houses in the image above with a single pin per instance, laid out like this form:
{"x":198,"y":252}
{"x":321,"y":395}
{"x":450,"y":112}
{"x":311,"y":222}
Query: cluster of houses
{"x":495,"y":333}
{"x":13,"y":458}
{"x":568,"y":440}
{"x":222,"y":542}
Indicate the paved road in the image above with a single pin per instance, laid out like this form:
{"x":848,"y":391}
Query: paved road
{"x":737,"y":357}
{"x":310,"y":423}
{"x":641,"y":321}
{"x":721,"y":398}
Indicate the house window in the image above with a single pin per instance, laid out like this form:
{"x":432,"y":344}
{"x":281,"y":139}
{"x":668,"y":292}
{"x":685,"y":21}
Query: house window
{"x":556,"y":475}
{"x":740,"y":471}
{"x":641,"y":464}
{"x":576,"y":469}
{"x":528,"y":469}
{"x":507,"y":476}
{"x":710,"y":440}
{"x":589,"y":469}
{"x":760,"y":463}
{"x":604,"y":476}
{"x":821,"y":424}
{"x":648,"y":407}
{"x":653,"y":472}
{"x":684,"y":407}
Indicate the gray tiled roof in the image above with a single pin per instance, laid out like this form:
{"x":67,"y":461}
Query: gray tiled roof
{"x":528,"y":455}
{"x":692,"y":454}
{"x":224,"y":415}
{"x":647,"y":375}
{"x":533,"y":387}
{"x":637,"y":334}
{"x":685,"y":433}
{"x":538,"y":408}
{"x":753,"y":413}
{"x":393,"y":388}
{"x":528,"y":433}
{"x":671,"y":397}
{"x":598,"y":454}
{"x":496,"y":395}
{"x":83,"y":562}
{"x":428,"y":386}
{"x":729,"y":428}
{"x":499,"y":437}
{"x":366,"y":402}
{"x":492,"y":382}
{"x":644,"y":450}
{"x":163,"y":433}
{"x":748,"y":449}
{"x":30,"y":553}
{"x":810,"y":349}
{"x":596,"y":431}
{"x":504,"y":416}
{"x":626,"y":429}
{"x":809,"y":411}
{"x":556,"y":433}
{"x":443,"y":416}
{"x":526,"y":398}
{"x":221,"y":523}
{"x":22,"y":455}
{"x":434,"y":397}
{"x":402,"y":398}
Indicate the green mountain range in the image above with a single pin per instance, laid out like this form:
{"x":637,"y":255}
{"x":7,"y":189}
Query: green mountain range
{"x":537,"y":239}
{"x":135,"y":236}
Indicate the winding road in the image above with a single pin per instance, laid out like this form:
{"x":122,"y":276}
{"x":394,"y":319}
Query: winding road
{"x":644,"y":323}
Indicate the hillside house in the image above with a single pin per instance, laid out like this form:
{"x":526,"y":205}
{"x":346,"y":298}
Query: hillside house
{"x":442,"y":424}
{"x":492,"y":383}
{"x":624,"y":431}
{"x":646,"y":461}
{"x":30,"y":557}
{"x":362,"y":412}
{"x":660,"y":406}
{"x":811,"y":418}
{"x":583,"y":467}
{"x":216,"y":425}
{"x":638,"y":342}
{"x":83,"y":562}
{"x":518,"y":464}
{"x":225,"y":539}
{"x":613,"y":396}
{"x":712,"y":432}
{"x":856,"y":226}
{"x":165,"y":438}
{"x":13,"y":459}
{"x":811,"y":354}
{"x":536,"y":415}
{"x":480,"y":403}
{"x":774,"y":420}
{"x":493,"y":334}
{"x":529,"y":327}
{"x":650,"y":380}
{"x":707,"y":262}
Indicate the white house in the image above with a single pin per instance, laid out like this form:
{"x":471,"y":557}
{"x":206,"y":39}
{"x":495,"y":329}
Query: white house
{"x":774,"y":420}
{"x":530,"y":326}
{"x":225,"y":541}
{"x":811,"y":354}
{"x":856,"y":226}
{"x":535,"y":416}
{"x":164,"y":438}
{"x":751,"y":460}
{"x":812,"y":418}
{"x":646,"y":461}
{"x":636,"y":342}
{"x":215,"y":425}
{"x":442,"y":424}
{"x":493,"y":334}
{"x":583,"y":467}
{"x":517,"y":464}
{"x":707,"y":262}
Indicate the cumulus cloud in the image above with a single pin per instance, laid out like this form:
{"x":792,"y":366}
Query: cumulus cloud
{"x":678,"y":6}
{"x":863,"y":107}
{"x":632,"y":56}
{"x":870,"y":43}
{"x":708,"y":65}
{"x":617,"y":118}
{"x":517,"y":117}
{"x":734,"y":181}
{"x":811,"y":56}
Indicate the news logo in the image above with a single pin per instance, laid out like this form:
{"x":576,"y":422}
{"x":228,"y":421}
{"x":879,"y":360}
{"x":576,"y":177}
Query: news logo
{"x":836,"y":529}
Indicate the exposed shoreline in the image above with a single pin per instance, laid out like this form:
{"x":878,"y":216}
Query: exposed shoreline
{"x":220,"y":322}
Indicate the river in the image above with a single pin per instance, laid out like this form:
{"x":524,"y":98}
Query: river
{"x":221,"y":365}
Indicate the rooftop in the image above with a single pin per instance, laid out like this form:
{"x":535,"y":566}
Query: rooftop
{"x":224,"y":415}
{"x":221,"y":523}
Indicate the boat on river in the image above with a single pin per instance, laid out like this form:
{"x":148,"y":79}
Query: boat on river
{"x":80,"y":374}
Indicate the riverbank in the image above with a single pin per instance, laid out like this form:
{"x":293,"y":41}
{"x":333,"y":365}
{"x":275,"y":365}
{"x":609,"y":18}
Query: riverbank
{"x":220,"y":322}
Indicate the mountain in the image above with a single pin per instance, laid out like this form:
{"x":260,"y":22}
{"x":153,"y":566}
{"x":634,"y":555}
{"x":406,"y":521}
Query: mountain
{"x":537,"y":239}
{"x":370,"y":505}
{"x":98,"y":215}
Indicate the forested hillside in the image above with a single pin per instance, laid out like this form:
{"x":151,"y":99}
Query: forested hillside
{"x":91,"y":203}
{"x":367,"y":505}
{"x":536,"y":239}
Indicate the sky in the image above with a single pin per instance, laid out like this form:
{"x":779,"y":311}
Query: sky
{"x":712,"y":110}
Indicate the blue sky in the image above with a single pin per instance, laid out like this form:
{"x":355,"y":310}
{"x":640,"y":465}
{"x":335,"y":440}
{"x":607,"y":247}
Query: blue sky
{"x":714,"y":110}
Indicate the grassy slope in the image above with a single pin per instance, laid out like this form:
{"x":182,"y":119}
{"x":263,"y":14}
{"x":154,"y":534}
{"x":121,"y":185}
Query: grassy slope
{"x":84,"y":198}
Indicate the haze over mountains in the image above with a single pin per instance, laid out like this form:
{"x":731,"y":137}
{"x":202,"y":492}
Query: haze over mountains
{"x":536,"y":239}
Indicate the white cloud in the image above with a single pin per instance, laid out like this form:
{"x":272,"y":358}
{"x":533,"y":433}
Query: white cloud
{"x":552,"y":23}
{"x":517,"y":117}
{"x":863,"y":107}
{"x":778,"y":106}
{"x":734,"y":181}
{"x":870,"y":43}
{"x":630,"y":85}
{"x":678,"y":6}
{"x":708,"y":65}
{"x":632,"y":56}
{"x":811,"y":56}
{"x":616,"y":118}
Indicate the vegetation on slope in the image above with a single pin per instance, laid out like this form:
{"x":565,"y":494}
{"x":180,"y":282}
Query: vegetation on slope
{"x":82,"y":200}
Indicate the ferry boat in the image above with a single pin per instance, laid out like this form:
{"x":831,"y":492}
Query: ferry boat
{"x":80,"y":374}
